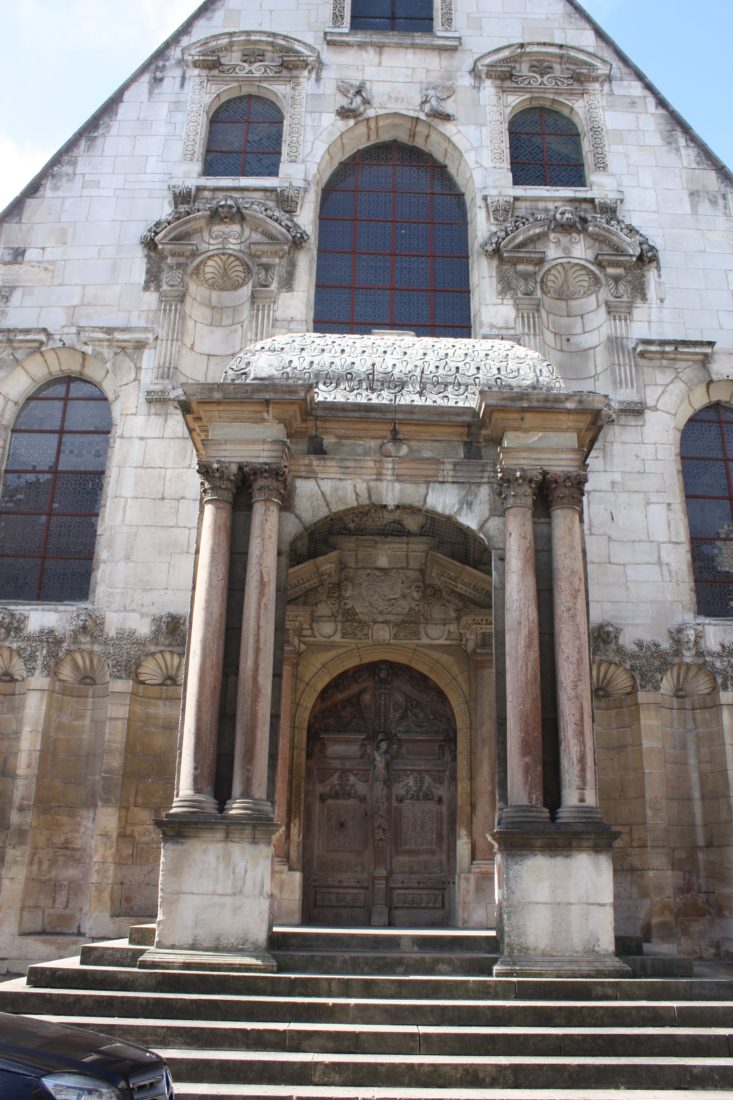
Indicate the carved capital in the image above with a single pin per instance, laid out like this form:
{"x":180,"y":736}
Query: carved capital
{"x":565,"y":489}
{"x":218,"y":480}
{"x":517,"y":487}
{"x":267,"y":482}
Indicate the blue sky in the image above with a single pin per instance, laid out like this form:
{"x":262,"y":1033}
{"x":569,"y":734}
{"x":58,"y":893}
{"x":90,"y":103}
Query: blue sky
{"x":63,"y":58}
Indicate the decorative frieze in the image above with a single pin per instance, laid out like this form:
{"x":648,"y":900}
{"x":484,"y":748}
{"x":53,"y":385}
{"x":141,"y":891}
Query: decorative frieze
{"x":657,"y":667}
{"x":447,"y":15}
{"x":194,"y":118}
{"x":295,"y":122}
{"x":85,"y":653}
{"x":596,"y":128}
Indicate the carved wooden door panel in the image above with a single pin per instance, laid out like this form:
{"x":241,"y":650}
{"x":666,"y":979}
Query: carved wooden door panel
{"x":380,"y":801}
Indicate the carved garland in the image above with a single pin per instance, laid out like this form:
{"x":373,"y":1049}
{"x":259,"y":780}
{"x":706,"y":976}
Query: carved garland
{"x":258,"y":207}
{"x":682,"y":668}
{"x":47,"y":652}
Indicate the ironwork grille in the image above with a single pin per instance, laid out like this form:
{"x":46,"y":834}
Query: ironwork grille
{"x":545,"y":149}
{"x":392,"y":246}
{"x":51,"y":492}
{"x":245,"y":138}
{"x":392,"y":15}
{"x":706,"y":450}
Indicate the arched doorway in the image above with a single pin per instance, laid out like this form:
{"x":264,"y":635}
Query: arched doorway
{"x":380,"y":801}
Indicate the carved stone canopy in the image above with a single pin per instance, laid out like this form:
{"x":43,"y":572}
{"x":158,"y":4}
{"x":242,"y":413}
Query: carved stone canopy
{"x":223,"y":218}
{"x":607,"y":232}
{"x":394,"y":369}
{"x":542,"y":65}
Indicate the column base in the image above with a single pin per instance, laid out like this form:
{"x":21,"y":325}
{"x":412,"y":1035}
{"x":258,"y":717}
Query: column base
{"x":601,"y":966}
{"x":167,"y":959}
{"x":258,"y":809}
{"x":580,"y":813}
{"x":193,"y":804}
{"x":555,"y":901}
{"x":524,"y":815}
{"x":215,"y":891}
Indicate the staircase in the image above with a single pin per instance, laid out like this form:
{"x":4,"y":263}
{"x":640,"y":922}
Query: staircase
{"x":395,"y":1014}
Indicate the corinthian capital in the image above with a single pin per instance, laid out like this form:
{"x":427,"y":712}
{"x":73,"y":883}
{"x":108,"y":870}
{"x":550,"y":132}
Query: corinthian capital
{"x":218,"y":480}
{"x":565,"y":488}
{"x":517,"y":486}
{"x":267,"y":482}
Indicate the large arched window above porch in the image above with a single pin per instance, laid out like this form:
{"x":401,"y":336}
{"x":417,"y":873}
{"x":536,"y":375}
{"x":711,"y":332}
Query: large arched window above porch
{"x":392,"y":246}
{"x":49,"y":505}
{"x":706,"y":450}
{"x":545,"y":149}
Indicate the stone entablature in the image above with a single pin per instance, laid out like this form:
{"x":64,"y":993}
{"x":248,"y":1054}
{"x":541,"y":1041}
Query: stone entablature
{"x":394,"y":369}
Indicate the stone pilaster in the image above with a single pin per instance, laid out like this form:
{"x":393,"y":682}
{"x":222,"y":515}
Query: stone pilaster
{"x":517,"y":488}
{"x":197,"y":753}
{"x":254,"y":690}
{"x":572,"y":656}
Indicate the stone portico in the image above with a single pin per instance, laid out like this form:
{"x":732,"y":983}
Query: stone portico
{"x":405,"y":769}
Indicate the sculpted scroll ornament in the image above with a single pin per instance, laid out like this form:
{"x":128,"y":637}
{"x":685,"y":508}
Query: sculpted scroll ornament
{"x":565,"y":489}
{"x":218,"y":480}
{"x":267,"y":482}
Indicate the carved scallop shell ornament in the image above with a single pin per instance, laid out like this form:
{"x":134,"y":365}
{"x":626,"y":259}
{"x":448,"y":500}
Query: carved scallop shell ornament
{"x":162,"y":669}
{"x":223,"y":272}
{"x":684,"y":681}
{"x":611,"y":679}
{"x":569,"y":282}
{"x":12,"y":669}
{"x":82,"y":666}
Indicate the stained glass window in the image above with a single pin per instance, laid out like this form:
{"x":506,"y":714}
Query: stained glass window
{"x":49,"y":505}
{"x":707,"y":469}
{"x":392,"y":15}
{"x":392,"y":246}
{"x":245,"y":138}
{"x":545,"y":149}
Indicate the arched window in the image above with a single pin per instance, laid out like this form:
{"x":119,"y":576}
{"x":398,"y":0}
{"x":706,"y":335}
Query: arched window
{"x":392,"y":246}
{"x":706,"y":450}
{"x":392,"y":15}
{"x":49,"y":505}
{"x":545,"y":149}
{"x":245,"y":138}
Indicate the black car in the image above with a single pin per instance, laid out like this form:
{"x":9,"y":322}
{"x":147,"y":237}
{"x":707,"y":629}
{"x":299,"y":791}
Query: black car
{"x":39,"y":1060}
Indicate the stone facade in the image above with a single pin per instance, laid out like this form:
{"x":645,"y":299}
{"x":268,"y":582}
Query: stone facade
{"x":406,"y":496}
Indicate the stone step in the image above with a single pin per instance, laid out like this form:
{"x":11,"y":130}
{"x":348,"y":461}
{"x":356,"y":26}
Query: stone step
{"x":402,"y":987}
{"x":15,"y":996}
{"x":314,"y":938}
{"x":414,"y":1040}
{"x":446,"y":1071}
{"x":385,"y":963}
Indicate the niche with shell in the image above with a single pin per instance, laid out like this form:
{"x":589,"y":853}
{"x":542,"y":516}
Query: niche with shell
{"x":573,"y":317}
{"x":685,"y":681}
{"x":162,"y":669}
{"x":12,"y":667}
{"x":216,"y":310}
{"x":611,"y":680}
{"x":82,"y":666}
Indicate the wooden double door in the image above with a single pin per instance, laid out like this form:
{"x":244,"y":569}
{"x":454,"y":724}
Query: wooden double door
{"x":380,"y":801}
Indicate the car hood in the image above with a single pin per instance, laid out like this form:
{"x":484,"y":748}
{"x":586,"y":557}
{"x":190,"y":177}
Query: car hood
{"x":38,"y":1047}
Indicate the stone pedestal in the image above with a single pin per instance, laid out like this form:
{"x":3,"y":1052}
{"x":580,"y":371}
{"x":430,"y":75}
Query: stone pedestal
{"x":555,"y":902}
{"x":215,"y":886}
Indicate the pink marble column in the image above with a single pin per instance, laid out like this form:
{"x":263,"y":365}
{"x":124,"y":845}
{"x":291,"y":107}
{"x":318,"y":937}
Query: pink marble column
{"x":572,"y":657}
{"x":197,"y":753}
{"x":483,"y":757}
{"x":254,"y":689}
{"x":518,"y":488}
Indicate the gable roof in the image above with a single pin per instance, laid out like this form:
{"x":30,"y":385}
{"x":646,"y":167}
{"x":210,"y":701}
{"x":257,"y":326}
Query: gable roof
{"x":33,"y":183}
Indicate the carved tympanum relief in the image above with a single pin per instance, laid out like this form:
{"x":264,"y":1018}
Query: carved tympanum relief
{"x":387,"y":590}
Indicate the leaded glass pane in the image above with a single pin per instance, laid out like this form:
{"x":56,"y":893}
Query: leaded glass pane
{"x":48,"y":517}
{"x":392,"y":15}
{"x":706,"y":448}
{"x":245,"y":138}
{"x":545,"y":149}
{"x":400,"y":215}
